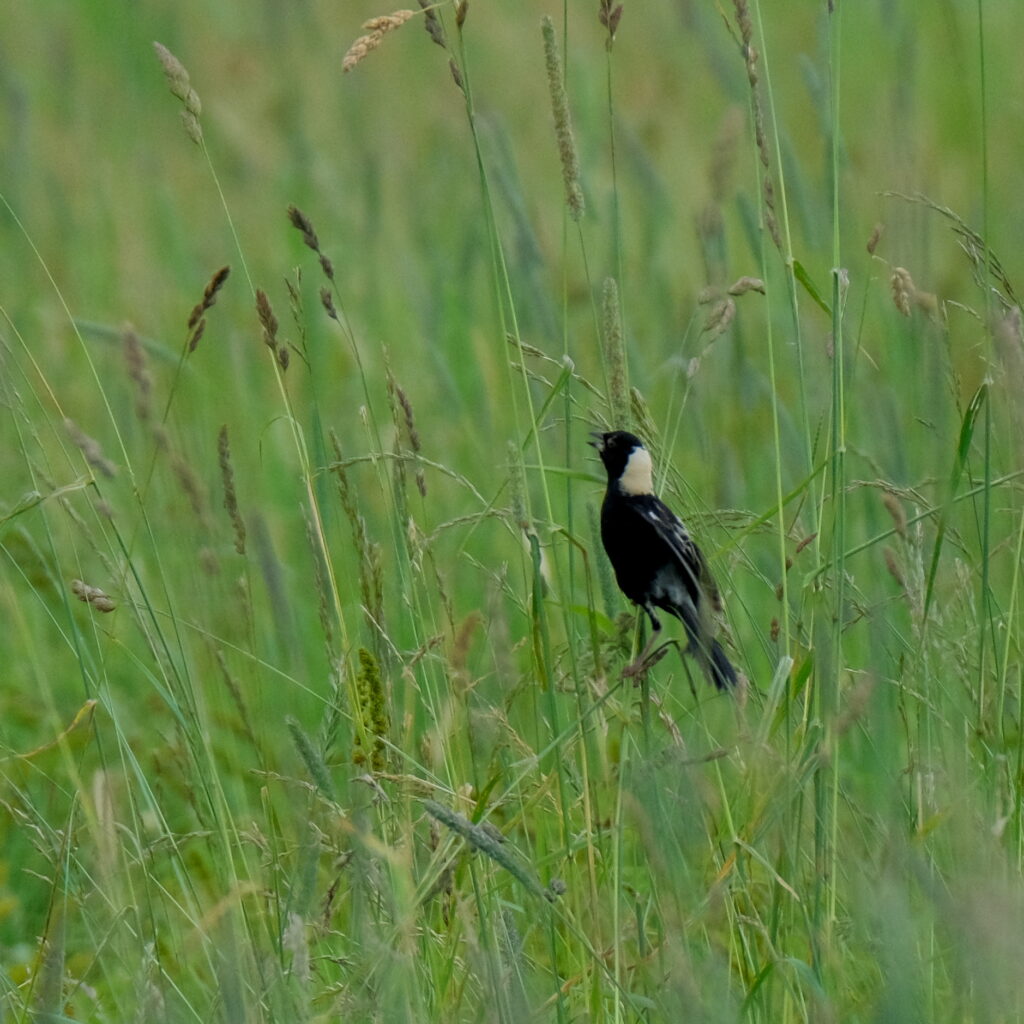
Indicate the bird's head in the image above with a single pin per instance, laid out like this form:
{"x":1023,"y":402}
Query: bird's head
{"x":626,"y":460}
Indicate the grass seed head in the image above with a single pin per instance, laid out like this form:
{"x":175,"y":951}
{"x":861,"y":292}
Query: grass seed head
{"x":138,"y":373}
{"x":563,"y":121}
{"x":90,"y":448}
{"x":92,"y":596}
{"x":267,"y":320}
{"x":903,"y":290}
{"x":227,"y":475}
{"x":178,"y":83}
{"x":376,"y":30}
{"x":432,"y":24}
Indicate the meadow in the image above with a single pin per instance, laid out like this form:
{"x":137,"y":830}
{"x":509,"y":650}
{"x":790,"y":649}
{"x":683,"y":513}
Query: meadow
{"x":312,"y":705}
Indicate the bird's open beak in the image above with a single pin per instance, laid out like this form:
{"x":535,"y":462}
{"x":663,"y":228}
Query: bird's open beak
{"x":598,"y":440}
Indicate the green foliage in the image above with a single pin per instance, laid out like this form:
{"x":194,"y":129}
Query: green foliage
{"x":312,"y":706}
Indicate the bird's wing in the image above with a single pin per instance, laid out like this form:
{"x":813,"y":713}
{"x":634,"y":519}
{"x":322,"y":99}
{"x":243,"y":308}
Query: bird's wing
{"x":690,"y":558}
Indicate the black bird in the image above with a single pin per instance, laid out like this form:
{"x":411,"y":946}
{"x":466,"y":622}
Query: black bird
{"x":656,"y":562}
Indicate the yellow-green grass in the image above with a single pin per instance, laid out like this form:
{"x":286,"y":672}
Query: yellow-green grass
{"x":352,"y":743}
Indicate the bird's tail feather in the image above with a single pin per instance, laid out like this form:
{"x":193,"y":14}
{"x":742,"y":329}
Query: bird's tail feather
{"x":720,"y":668}
{"x":708,"y":652}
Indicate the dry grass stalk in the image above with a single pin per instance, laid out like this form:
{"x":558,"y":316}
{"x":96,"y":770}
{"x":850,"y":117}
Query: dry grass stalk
{"x":237,"y":697}
{"x":750,"y":58}
{"x":178,"y":83}
{"x":325,"y":598}
{"x":414,"y":437}
{"x":93,"y":596}
{"x":227,"y":475}
{"x":376,"y":30}
{"x":197,"y":319}
{"x":563,"y":121}
{"x":615,"y":355}
{"x":190,"y":486}
{"x":304,"y":225}
{"x":138,"y":373}
{"x":371,"y":572}
{"x":90,"y":449}
{"x":517,"y":487}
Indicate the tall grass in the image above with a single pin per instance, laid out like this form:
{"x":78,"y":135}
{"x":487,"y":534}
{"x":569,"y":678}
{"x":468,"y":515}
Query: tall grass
{"x":314,"y":705}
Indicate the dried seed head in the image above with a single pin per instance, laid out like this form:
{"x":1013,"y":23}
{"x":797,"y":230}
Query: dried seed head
{"x":456,"y":74}
{"x":432,"y":23}
{"x":893,"y":565}
{"x":723,"y":154}
{"x":327,"y":301}
{"x":377,"y":29}
{"x":92,"y":596}
{"x":718,"y":320}
{"x":563,"y":121}
{"x":903,"y":290}
{"x":213,"y":286}
{"x":267,"y":319}
{"x":138,"y":373}
{"x":227,"y":476}
{"x":178,"y":83}
{"x":174,"y":71}
{"x":414,"y":437}
{"x":747,"y":284}
{"x":190,"y":486}
{"x":197,"y":332}
{"x":895,"y":509}
{"x":90,"y":449}
{"x":609,"y":15}
{"x":876,"y":235}
{"x":304,"y":226}
{"x":461,"y":10}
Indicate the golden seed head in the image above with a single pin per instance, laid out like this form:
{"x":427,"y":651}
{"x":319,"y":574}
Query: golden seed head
{"x":903,"y":290}
{"x":376,"y":30}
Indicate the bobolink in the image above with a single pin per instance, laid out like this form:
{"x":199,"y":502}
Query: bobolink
{"x":656,"y":562}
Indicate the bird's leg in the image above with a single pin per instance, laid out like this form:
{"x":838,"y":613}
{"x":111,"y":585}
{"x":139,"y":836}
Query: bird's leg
{"x":648,"y":658}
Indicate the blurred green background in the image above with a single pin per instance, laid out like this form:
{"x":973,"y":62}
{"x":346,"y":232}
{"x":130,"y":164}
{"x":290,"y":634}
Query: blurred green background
{"x":844,"y":843}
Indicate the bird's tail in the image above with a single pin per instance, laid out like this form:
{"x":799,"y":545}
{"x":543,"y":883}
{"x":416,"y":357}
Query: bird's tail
{"x":719,"y":668}
{"x":708,"y":651}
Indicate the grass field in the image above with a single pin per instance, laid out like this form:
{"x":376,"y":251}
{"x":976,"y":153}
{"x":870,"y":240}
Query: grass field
{"x":312,"y":704}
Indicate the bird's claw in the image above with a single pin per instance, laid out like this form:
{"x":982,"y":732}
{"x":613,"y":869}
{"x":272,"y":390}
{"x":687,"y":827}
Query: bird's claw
{"x":645,"y":663}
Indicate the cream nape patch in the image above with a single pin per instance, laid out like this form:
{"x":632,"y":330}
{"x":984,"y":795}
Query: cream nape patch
{"x":637,"y":477}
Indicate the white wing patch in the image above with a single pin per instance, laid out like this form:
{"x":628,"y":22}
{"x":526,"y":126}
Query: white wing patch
{"x":669,"y":527}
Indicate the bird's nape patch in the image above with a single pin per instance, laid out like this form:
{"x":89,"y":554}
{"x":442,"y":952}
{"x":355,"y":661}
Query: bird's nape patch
{"x":637,"y":477}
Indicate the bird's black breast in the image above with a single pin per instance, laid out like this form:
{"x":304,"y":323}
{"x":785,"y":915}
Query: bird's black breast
{"x":649,"y":549}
